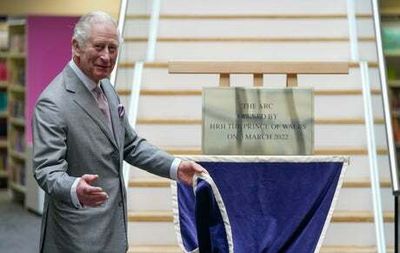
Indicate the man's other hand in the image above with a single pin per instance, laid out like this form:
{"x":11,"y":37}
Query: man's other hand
{"x":187,"y":169}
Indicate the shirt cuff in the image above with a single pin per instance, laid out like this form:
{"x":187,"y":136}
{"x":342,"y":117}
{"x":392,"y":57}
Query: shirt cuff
{"x":173,"y":171}
{"x":74,"y":195}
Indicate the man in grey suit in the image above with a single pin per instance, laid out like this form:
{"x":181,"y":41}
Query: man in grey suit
{"x":81,"y":137}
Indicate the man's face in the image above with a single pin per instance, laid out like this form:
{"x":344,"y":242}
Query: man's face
{"x":97,"y":57}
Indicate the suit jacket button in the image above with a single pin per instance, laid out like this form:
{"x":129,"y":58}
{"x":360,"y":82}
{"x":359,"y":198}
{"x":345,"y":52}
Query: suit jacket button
{"x":120,"y":203}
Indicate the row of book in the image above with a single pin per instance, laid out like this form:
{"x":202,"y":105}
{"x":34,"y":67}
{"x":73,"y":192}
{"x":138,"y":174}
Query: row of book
{"x":17,"y":76}
{"x":17,"y":173}
{"x":3,"y":101}
{"x":3,"y":39}
{"x":395,"y":100}
{"x":17,"y":108}
{"x":17,"y":42}
{"x":3,"y":161}
{"x":17,"y":140}
{"x":3,"y":70}
{"x":3,"y":128}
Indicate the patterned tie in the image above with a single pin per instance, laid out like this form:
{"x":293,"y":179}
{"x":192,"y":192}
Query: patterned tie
{"x":103,"y":104}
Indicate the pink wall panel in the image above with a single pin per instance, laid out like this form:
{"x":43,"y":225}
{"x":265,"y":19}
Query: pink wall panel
{"x":48,"y":50}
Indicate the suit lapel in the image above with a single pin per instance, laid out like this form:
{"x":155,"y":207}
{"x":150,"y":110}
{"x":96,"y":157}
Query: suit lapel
{"x":85,"y":100}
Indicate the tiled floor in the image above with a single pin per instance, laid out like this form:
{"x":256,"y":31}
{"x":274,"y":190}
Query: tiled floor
{"x":19,"y":228}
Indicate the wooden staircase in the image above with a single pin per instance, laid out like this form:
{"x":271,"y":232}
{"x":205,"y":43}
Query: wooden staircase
{"x":170,"y":105}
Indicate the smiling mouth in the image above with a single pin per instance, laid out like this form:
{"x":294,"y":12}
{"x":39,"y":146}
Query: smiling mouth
{"x":103,"y":67}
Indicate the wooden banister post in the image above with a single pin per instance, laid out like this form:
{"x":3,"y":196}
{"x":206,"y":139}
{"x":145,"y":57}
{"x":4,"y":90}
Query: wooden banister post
{"x":291,"y":80}
{"x":258,"y":80}
{"x":224,"y":80}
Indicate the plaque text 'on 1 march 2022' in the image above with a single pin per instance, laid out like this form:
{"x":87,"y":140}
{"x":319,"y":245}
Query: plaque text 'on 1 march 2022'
{"x":258,"y":121}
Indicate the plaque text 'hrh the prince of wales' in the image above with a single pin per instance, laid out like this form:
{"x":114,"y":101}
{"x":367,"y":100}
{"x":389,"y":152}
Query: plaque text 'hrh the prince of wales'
{"x":258,"y":121}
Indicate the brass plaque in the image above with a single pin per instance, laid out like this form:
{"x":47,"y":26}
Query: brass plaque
{"x":258,"y":121}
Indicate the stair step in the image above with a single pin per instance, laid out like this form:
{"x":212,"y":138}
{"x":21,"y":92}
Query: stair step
{"x":223,"y":51}
{"x":191,"y":92}
{"x":150,"y":183}
{"x":249,"y":16}
{"x":357,"y":170}
{"x":155,"y":249}
{"x":164,"y":65}
{"x":324,"y":249}
{"x":165,"y":183}
{"x":184,"y":121}
{"x":326,"y":106}
{"x":355,"y":195}
{"x":338,"y":216}
{"x":385,"y":183}
{"x":325,"y":135}
{"x":150,"y":216}
{"x":359,"y":216}
{"x":343,"y":234}
{"x":248,"y":39}
{"x":318,"y":151}
{"x":352,"y":249}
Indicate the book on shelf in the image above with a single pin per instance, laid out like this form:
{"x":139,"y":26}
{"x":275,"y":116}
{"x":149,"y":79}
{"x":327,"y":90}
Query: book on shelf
{"x":17,"y":42}
{"x":3,"y":70}
{"x":17,"y":108}
{"x":17,"y":74}
{"x":17,"y":141}
{"x":3,"y":161}
{"x":396,"y":130}
{"x":22,"y":178}
{"x":3,"y":128}
{"x":18,"y":173}
{"x":3,"y":101}
{"x":3,"y":38}
{"x":14,"y":173}
{"x":391,"y":35}
{"x":20,"y":76}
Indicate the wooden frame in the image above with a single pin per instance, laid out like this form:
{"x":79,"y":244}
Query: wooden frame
{"x":257,"y":69}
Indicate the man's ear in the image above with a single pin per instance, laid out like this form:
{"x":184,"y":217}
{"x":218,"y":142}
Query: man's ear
{"x":76,"y":48}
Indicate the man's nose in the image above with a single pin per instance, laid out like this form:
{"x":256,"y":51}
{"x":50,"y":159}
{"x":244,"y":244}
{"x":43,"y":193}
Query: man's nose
{"x":105,"y":55}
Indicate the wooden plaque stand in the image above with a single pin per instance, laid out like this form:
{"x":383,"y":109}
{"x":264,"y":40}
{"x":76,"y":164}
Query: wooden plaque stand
{"x":257,"y":69}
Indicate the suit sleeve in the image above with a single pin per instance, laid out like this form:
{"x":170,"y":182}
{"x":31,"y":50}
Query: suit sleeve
{"x":49,"y":151}
{"x":138,"y":152}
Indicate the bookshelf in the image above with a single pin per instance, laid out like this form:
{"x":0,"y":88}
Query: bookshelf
{"x":3,"y":104}
{"x":28,"y":67}
{"x":43,"y":64}
{"x":16,"y":143}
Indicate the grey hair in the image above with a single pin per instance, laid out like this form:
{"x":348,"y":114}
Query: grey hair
{"x":83,"y":27}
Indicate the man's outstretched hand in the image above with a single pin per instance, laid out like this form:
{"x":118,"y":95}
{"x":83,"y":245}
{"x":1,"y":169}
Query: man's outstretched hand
{"x":187,"y":169}
{"x":89,"y":195}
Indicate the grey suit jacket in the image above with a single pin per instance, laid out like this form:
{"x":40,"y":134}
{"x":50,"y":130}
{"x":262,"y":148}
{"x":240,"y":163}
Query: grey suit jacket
{"x":71,"y":138}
